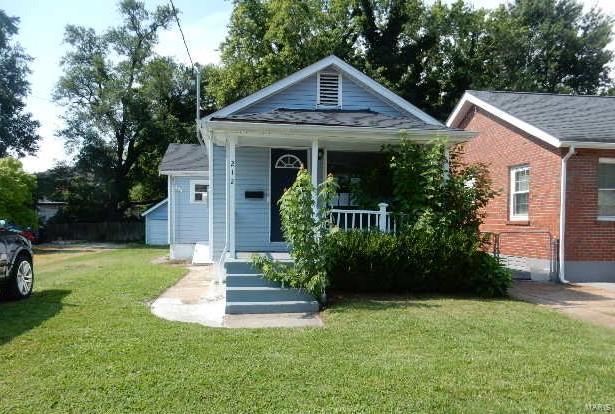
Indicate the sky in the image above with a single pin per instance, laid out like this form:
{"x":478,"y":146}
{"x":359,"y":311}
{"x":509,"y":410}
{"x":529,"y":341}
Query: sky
{"x":41,"y":32}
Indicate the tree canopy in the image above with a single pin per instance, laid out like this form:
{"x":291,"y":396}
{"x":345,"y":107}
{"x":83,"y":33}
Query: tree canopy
{"x":429,"y":53}
{"x":124,"y":105}
{"x":17,"y":128}
{"x":16,"y":193}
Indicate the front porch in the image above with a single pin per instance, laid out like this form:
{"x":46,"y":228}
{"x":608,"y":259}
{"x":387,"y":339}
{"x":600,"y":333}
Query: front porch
{"x":252,"y":164}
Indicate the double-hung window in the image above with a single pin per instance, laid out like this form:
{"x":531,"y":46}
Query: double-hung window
{"x":606,"y":189}
{"x":519,"y":193}
{"x":198,"y":191}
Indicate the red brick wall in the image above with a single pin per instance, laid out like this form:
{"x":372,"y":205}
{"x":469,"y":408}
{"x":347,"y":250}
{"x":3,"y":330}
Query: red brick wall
{"x":586,"y":237}
{"x":502,"y":146}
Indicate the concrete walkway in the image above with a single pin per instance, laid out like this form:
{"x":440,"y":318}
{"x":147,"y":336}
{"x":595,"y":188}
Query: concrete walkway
{"x":590,"y":303}
{"x":197,"y":298}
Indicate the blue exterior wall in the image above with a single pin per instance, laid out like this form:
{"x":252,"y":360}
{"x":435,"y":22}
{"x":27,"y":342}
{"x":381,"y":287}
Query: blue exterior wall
{"x":302,"y":95}
{"x":191,"y":222}
{"x":160,"y":213}
{"x":156,"y":226}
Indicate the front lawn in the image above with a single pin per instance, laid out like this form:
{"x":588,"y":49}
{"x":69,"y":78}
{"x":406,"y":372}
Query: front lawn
{"x":86,"y":342}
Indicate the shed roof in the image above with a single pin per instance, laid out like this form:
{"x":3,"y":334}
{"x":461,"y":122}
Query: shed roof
{"x":184,"y":158}
{"x":155,"y":207}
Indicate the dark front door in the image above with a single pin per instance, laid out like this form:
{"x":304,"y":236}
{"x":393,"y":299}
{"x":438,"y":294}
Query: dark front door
{"x":285,"y":164}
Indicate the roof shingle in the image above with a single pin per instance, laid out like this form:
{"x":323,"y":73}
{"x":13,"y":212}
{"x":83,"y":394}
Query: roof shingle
{"x":184,"y":157}
{"x":333,"y":117}
{"x":575,"y":118}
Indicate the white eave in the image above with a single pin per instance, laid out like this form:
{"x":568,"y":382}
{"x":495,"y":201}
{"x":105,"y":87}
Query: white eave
{"x":200,"y":173}
{"x":331,"y":137}
{"x":468,"y":101}
{"x":342,"y":66}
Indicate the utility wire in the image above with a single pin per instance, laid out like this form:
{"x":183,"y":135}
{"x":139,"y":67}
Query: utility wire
{"x":182,"y":33}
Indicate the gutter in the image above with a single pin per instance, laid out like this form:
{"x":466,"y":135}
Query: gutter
{"x":562,"y":215}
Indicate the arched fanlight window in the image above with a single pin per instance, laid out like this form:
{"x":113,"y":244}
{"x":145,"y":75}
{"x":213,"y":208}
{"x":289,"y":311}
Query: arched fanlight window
{"x":289,"y":161}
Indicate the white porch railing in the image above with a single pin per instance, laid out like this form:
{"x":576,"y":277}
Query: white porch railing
{"x":382,"y":219}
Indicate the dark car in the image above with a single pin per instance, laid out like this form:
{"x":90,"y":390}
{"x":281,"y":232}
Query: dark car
{"x":16,"y":267}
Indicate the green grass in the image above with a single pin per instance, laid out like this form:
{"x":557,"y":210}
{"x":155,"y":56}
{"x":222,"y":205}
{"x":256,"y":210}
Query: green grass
{"x":86,"y":342}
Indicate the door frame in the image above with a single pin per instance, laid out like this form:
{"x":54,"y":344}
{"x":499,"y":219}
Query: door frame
{"x":309,"y":166}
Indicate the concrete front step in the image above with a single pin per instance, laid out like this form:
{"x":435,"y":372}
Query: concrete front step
{"x":272,"y":307}
{"x":265,"y":294}
{"x":246,"y":280}
{"x":240,"y":268}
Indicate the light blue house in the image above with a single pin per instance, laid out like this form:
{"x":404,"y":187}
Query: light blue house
{"x":328,"y":117}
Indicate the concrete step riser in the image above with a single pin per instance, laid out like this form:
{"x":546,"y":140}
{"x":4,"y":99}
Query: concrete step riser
{"x":240,"y":267}
{"x":249,"y":281}
{"x":274,"y":295}
{"x":245,"y":308}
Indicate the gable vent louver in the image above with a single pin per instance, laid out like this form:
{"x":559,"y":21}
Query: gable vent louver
{"x":329,"y":90}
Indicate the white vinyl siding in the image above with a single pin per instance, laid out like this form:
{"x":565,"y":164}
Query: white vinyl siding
{"x":606,"y":189}
{"x":519,"y":192}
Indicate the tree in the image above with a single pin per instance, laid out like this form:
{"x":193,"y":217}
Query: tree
{"x":17,"y":128}
{"x":107,"y":89}
{"x":16,"y":193}
{"x":427,"y":52}
{"x":268,"y":40}
{"x":549,"y":46}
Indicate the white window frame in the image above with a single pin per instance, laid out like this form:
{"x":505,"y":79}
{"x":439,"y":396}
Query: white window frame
{"x":606,"y":161}
{"x":513,"y":193}
{"x":339,"y":90}
{"x":193,"y":184}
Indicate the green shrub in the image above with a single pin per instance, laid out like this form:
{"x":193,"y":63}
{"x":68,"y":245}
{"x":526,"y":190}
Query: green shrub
{"x":418,"y":260}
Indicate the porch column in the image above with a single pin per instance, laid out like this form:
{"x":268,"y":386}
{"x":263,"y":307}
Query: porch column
{"x":232,"y":166}
{"x":314,"y":172}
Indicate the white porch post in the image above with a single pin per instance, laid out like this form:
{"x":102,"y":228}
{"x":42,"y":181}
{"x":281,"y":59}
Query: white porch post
{"x":314,"y":172}
{"x":232,"y":179}
{"x":382,"y":217}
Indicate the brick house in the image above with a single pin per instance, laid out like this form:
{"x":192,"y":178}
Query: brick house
{"x":546,"y":151}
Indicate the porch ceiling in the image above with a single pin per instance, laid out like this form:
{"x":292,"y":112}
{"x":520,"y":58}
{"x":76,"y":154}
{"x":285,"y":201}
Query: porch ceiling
{"x":335,"y":138}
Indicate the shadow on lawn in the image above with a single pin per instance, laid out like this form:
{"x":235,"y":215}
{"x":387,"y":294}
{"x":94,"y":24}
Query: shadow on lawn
{"x":346,"y":302}
{"x":18,"y":317}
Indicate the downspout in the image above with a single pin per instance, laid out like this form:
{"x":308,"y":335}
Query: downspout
{"x":562,"y":215}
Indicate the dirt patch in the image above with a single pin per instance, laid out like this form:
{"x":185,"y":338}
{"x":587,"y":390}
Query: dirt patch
{"x":48,"y":253}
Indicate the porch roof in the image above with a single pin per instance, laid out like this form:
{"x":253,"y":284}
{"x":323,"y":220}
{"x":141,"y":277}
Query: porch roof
{"x":331,"y":117}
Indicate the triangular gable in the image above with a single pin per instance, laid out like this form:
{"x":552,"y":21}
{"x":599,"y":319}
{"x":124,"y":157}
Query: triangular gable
{"x":468,"y":100}
{"x":356,"y":77}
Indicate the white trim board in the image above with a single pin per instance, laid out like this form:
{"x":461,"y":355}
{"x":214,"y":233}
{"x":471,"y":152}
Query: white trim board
{"x":154,"y":207}
{"x":314,"y":68}
{"x":468,"y":100}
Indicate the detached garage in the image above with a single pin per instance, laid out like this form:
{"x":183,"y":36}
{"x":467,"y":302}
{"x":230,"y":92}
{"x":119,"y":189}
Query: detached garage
{"x":156,"y":224}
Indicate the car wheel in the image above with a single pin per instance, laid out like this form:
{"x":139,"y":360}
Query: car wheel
{"x":21,"y":279}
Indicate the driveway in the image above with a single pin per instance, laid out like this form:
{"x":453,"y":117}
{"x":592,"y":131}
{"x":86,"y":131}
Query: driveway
{"x":589,"y":302}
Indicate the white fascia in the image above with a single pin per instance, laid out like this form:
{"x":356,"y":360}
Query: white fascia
{"x":468,"y":100}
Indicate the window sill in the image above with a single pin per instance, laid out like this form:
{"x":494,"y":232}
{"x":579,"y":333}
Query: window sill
{"x":518,"y":223}
{"x":606,"y":218}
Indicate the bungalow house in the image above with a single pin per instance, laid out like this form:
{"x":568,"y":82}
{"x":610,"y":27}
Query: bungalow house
{"x":222,"y":195}
{"x":553,"y":159}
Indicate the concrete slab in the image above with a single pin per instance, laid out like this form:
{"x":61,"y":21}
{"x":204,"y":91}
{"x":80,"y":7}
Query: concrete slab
{"x":195,"y":298}
{"x":586,"y":302}
{"x":198,"y":298}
